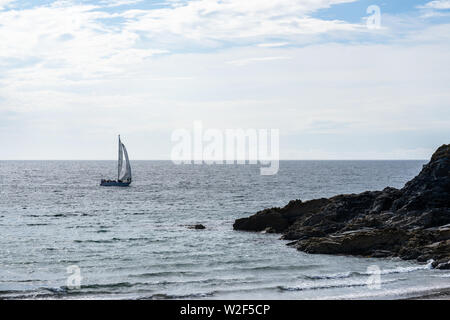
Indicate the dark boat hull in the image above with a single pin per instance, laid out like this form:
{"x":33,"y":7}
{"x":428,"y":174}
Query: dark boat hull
{"x":114,"y":184}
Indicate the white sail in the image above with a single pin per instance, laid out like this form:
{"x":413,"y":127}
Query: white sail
{"x":126,"y":175}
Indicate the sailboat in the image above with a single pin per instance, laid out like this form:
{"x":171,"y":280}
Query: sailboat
{"x":123,"y":170}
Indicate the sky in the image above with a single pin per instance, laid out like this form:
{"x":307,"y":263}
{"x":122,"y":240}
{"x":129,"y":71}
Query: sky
{"x":75,"y":73}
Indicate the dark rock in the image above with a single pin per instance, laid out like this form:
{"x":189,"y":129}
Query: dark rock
{"x":384,"y":201}
{"x":197,"y":227}
{"x":270,"y":230}
{"x":444,"y":265}
{"x":358,"y":242}
{"x":279,"y":219}
{"x":429,"y":189}
{"x":261,"y":221}
{"x":411,"y":223}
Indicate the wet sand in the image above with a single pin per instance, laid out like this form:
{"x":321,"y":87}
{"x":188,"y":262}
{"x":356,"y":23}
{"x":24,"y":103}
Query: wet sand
{"x":439,"y":294}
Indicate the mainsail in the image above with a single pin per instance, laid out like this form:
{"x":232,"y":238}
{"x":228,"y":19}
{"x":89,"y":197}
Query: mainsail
{"x":124,"y":172}
{"x":126,"y":176}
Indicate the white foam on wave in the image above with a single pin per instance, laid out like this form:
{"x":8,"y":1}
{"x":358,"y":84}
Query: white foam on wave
{"x":314,"y":285}
{"x":348,"y":274}
{"x":445,"y":275}
{"x":390,"y":294}
{"x":427,"y":266}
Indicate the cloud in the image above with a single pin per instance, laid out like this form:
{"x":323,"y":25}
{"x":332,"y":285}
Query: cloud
{"x":435,"y":9}
{"x":87,"y":41}
{"x":437,"y":4}
{"x":4,"y":3}
{"x":73,"y":73}
{"x":70,"y":36}
{"x":272,"y":44}
{"x":118,"y":3}
{"x":243,"y":62}
{"x":215,"y":20}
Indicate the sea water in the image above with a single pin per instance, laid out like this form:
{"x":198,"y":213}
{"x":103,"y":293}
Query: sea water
{"x":63,"y":236}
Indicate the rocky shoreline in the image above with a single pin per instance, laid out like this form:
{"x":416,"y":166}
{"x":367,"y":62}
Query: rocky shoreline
{"x":410,"y":223}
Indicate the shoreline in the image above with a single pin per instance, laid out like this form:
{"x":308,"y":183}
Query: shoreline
{"x":434,"y":294}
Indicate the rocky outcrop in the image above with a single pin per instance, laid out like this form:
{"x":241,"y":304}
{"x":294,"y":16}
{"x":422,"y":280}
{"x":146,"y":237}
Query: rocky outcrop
{"x":411,"y":223}
{"x":196,"y":226}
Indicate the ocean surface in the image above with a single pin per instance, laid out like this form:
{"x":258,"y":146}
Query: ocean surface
{"x":133,"y":243}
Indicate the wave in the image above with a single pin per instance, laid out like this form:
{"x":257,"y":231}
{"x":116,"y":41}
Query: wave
{"x":111,"y":285}
{"x":350,"y":274}
{"x":112,"y":240}
{"x":345,"y":284}
{"x":190,"y":269}
{"x":165,"y":296}
{"x":445,"y":275}
{"x":88,"y":289}
{"x":401,"y":293}
{"x":273,"y":267}
{"x":166,"y":273}
{"x":208,"y":294}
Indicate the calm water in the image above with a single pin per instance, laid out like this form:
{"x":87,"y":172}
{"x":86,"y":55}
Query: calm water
{"x":134,"y":243}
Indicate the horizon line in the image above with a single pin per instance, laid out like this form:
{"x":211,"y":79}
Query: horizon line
{"x":386,"y":159}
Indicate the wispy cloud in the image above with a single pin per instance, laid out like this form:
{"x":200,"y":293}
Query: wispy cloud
{"x":437,"y":4}
{"x":85,"y":40}
{"x":71,"y":36}
{"x":117,"y":3}
{"x":3,"y":3}
{"x":214,"y":20}
{"x":435,"y":9}
{"x":272,"y":44}
{"x":243,"y":62}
